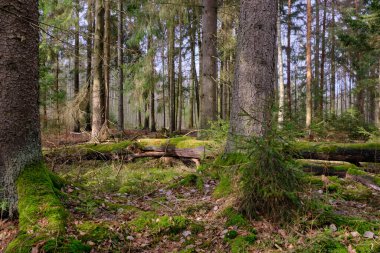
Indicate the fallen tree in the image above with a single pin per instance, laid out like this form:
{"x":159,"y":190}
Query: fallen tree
{"x":354,"y":153}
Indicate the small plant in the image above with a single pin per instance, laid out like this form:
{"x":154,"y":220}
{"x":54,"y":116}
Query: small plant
{"x":271,"y":179}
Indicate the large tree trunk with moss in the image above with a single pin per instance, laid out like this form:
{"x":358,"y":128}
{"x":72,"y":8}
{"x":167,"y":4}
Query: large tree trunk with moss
{"x":19,"y":115}
{"x":255,"y":73}
{"x":209,"y":61}
{"x":98,"y":89}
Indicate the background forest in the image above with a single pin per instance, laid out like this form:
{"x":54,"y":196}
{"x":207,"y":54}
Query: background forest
{"x":190,"y":126}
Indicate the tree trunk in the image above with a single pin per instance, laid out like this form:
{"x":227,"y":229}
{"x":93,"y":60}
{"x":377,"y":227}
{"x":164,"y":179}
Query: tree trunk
{"x":152,"y":86}
{"x":316,"y":91}
{"x":163,"y":83}
{"x":323,"y":60}
{"x":76,"y":63}
{"x":57,"y":69}
{"x":120,"y":35}
{"x":107,"y":59}
{"x":209,"y":43}
{"x":309,"y":104}
{"x":20,"y":143}
{"x":377,"y":103}
{"x":288,"y":59}
{"x":98,"y":93}
{"x":333,"y":68}
{"x":180,"y":78}
{"x":171,"y":76}
{"x":194,"y":79}
{"x":90,"y":30}
{"x":254,"y":84}
{"x":281,"y":94}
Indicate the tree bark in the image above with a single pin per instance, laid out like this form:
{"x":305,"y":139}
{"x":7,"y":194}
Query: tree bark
{"x":107,"y":59}
{"x":98,"y":93}
{"x":288,"y":59}
{"x":180,"y":77}
{"x":316,"y":90}
{"x":333,"y":68}
{"x":309,"y":104}
{"x":323,"y":60}
{"x":20,"y":143}
{"x":152,"y":86}
{"x":281,"y":94}
{"x":209,"y":42}
{"x":76,"y":63}
{"x":120,"y":36}
{"x":255,"y":74}
{"x":171,"y":76}
{"x":90,"y":30}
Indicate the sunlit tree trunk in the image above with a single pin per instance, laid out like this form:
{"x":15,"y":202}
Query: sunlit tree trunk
{"x":316,"y":90}
{"x":180,"y":78}
{"x":98,"y":90}
{"x":254,"y":84}
{"x":152,"y":87}
{"x":209,"y":42}
{"x":323,"y":60}
{"x":309,"y":104}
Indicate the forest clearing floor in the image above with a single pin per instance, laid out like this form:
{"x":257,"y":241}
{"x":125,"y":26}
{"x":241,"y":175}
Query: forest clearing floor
{"x":169,"y":205}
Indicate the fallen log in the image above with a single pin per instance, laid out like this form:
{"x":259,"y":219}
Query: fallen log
{"x":354,"y":153}
{"x":365,"y":180}
{"x":326,"y":168}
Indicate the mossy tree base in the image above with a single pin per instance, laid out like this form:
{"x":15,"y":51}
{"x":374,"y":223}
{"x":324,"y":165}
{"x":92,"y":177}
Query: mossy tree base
{"x":41,"y":213}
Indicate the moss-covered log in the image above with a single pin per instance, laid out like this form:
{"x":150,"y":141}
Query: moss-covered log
{"x":350,"y":152}
{"x":184,"y":147}
{"x":42,"y":216}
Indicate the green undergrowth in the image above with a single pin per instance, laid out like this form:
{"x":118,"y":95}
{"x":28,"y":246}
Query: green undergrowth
{"x":138,"y":178}
{"x":41,"y":213}
{"x":95,"y":232}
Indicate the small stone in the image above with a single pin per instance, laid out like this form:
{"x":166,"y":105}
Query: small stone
{"x":333,"y":228}
{"x":216,"y":208}
{"x":224,"y":231}
{"x":320,"y":191}
{"x":130,"y":238}
{"x":369,"y":235}
{"x":355,"y":234}
{"x":186,"y":233}
{"x":207,"y":186}
{"x":90,"y":243}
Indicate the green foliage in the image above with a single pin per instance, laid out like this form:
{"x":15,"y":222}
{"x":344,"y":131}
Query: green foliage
{"x":271,"y":180}
{"x":234,"y":218}
{"x":217,"y":131}
{"x":324,"y":243}
{"x":95,"y":232}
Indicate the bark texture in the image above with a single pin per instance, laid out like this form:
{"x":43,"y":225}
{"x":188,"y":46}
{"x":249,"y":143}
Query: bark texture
{"x":19,"y":114}
{"x":308,"y":67}
{"x":281,"y":91}
{"x":255,"y":74}
{"x":98,"y":103}
{"x":209,"y":61}
{"x":120,"y":122}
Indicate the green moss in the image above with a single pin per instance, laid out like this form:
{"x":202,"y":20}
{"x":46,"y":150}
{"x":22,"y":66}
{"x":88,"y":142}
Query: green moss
{"x":224,"y":187}
{"x":330,"y":147}
{"x":231,"y":159}
{"x":41,"y":213}
{"x":232,"y":234}
{"x":241,"y":244}
{"x":352,"y":223}
{"x":367,"y":246}
{"x":356,"y":192}
{"x":377,"y":180}
{"x":67,"y":245}
{"x":96,"y":232}
{"x":178,"y":142}
{"x":234,"y":218}
{"x":356,"y":172}
{"x":155,"y":224}
{"x":324,"y":243}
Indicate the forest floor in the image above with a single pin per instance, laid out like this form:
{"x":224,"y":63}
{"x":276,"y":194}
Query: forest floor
{"x":169,"y":205}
